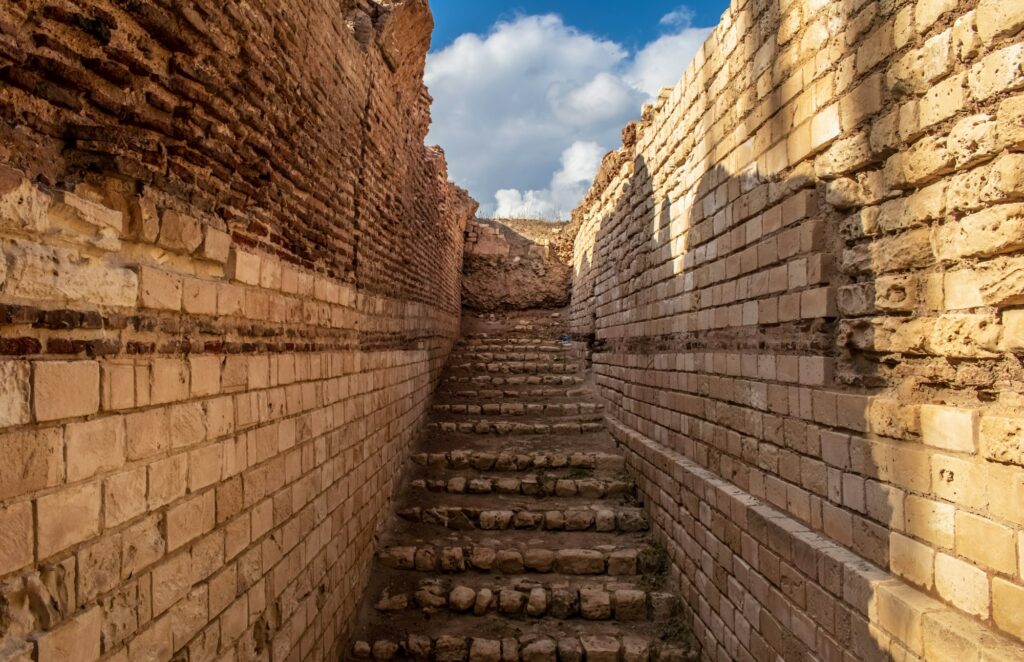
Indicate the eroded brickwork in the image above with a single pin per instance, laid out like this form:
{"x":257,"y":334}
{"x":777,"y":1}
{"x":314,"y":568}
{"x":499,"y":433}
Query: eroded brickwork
{"x":803,"y":272}
{"x":513,"y":264}
{"x":229,"y":277}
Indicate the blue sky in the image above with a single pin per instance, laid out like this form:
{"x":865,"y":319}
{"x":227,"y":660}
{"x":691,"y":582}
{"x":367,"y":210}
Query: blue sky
{"x":530,"y":95}
{"x":629,"y":23}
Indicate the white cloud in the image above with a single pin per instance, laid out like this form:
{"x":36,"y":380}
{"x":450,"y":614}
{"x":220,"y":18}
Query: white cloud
{"x":665,"y":59}
{"x":568,"y":185}
{"x":680,"y":16}
{"x":526,"y":112}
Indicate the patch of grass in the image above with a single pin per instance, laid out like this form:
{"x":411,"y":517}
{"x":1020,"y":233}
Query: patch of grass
{"x":678,"y":631}
{"x":632,"y":496}
{"x":653,"y":559}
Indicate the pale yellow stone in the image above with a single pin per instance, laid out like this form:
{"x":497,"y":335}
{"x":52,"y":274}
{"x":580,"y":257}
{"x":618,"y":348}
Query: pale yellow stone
{"x":986,"y":543}
{"x":962,"y":584}
{"x":951,"y":428}
{"x":996,"y":18}
{"x":1002,"y":438}
{"x":912,"y":560}
{"x":1008,"y":606}
{"x":931,"y":520}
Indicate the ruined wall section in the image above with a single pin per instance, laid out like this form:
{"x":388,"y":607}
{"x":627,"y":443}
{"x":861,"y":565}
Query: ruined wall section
{"x":804,"y":279}
{"x":229,"y":277}
{"x":514,"y":264}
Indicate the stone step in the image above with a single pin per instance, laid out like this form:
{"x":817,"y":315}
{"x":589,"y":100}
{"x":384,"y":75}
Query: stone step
{"x":530,"y":485}
{"x":616,"y":646}
{"x":580,"y":425}
{"x":520,"y":408}
{"x":514,"y":367}
{"x":520,"y":392}
{"x":560,"y":355}
{"x":516,"y":559}
{"x":554,"y":352}
{"x":520,"y":461}
{"x":546,"y":379}
{"x":596,"y":518}
{"x":549,"y":337}
{"x":542,"y":351}
{"x":534,"y":597}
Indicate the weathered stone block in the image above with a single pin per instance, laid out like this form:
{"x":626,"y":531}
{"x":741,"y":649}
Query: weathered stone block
{"x":15,"y":393}
{"x":1002,"y":439}
{"x":997,"y":72}
{"x":1008,"y":606}
{"x":243,"y":267}
{"x":986,"y":543}
{"x":189,"y":520}
{"x":23,"y":206}
{"x":996,"y":19}
{"x":216,"y":245}
{"x":60,"y":275}
{"x":962,"y":584}
{"x":950,"y":428}
{"x":996,"y":230}
{"x":67,"y":517}
{"x":78,"y":639}
{"x":16,"y":542}
{"x":124,"y":496}
{"x":65,"y":389}
{"x":179,"y":232}
{"x":94,"y":447}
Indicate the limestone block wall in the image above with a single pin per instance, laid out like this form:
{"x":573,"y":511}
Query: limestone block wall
{"x":803,"y":272}
{"x":229,"y":277}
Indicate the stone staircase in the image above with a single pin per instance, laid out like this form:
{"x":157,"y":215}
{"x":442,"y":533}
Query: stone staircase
{"x":517,"y":534}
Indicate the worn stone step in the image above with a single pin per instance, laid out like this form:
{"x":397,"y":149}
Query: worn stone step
{"x":548,"y":338}
{"x":516,"y":559}
{"x":580,"y":425}
{"x":519,"y":408}
{"x":615,"y":646}
{"x":546,"y":379}
{"x":546,"y":349}
{"x":514,"y":367}
{"x":522,"y":392}
{"x":594,"y":518}
{"x":509,"y":351}
{"x":530,"y":485}
{"x":535,"y":597}
{"x":509,"y":461}
{"x":497,"y":355}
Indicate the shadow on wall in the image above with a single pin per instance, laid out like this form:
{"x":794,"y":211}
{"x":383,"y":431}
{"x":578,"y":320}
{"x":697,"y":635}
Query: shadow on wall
{"x":513,"y":265}
{"x":801,"y":405}
{"x":733,"y":371}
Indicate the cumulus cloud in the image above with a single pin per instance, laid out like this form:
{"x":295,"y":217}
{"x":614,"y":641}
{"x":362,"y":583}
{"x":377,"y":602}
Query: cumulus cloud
{"x":665,"y":59}
{"x":526,"y":112}
{"x":681,"y":16}
{"x":568,"y":185}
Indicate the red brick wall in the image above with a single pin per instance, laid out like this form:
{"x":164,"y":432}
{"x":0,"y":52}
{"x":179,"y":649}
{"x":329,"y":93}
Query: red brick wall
{"x":229,"y":276}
